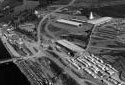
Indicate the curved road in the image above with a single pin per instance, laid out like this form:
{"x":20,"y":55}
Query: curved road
{"x":45,"y":17}
{"x":37,"y":44}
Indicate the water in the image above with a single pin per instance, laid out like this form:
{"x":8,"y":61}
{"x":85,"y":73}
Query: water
{"x":9,"y":72}
{"x":4,"y":54}
{"x":11,"y":75}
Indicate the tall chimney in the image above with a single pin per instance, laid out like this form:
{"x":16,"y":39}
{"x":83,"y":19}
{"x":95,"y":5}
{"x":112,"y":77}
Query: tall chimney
{"x":91,"y":16}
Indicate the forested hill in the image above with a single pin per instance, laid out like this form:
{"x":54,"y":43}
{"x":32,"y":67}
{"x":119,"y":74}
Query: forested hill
{"x":97,"y":3}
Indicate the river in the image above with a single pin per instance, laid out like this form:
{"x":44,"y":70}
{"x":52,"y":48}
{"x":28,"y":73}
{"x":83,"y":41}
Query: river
{"x":11,"y":75}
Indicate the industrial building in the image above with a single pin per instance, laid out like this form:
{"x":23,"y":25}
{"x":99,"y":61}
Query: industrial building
{"x":78,"y":20}
{"x":100,"y":20}
{"x":77,"y":24}
{"x":70,"y":45}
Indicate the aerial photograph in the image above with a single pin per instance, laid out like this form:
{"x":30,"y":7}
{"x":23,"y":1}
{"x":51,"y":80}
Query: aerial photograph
{"x":62,"y":42}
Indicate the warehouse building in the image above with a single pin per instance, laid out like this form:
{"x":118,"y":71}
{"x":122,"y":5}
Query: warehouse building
{"x":70,"y":45}
{"x":69,"y":22}
{"x":100,"y":20}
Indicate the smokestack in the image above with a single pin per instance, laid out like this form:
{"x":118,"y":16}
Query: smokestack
{"x":91,"y":16}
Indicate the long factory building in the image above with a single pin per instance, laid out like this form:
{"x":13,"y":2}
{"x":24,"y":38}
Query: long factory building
{"x":79,"y":23}
{"x":70,"y":22}
{"x":70,"y":45}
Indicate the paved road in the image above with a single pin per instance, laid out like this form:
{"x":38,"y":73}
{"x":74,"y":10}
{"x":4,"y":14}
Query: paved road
{"x":45,"y":17}
{"x":39,"y":27}
{"x":37,"y":45}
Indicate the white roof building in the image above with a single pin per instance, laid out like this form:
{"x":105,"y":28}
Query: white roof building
{"x":78,"y":20}
{"x":100,"y":20}
{"x":70,"y":45}
{"x":69,"y":22}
